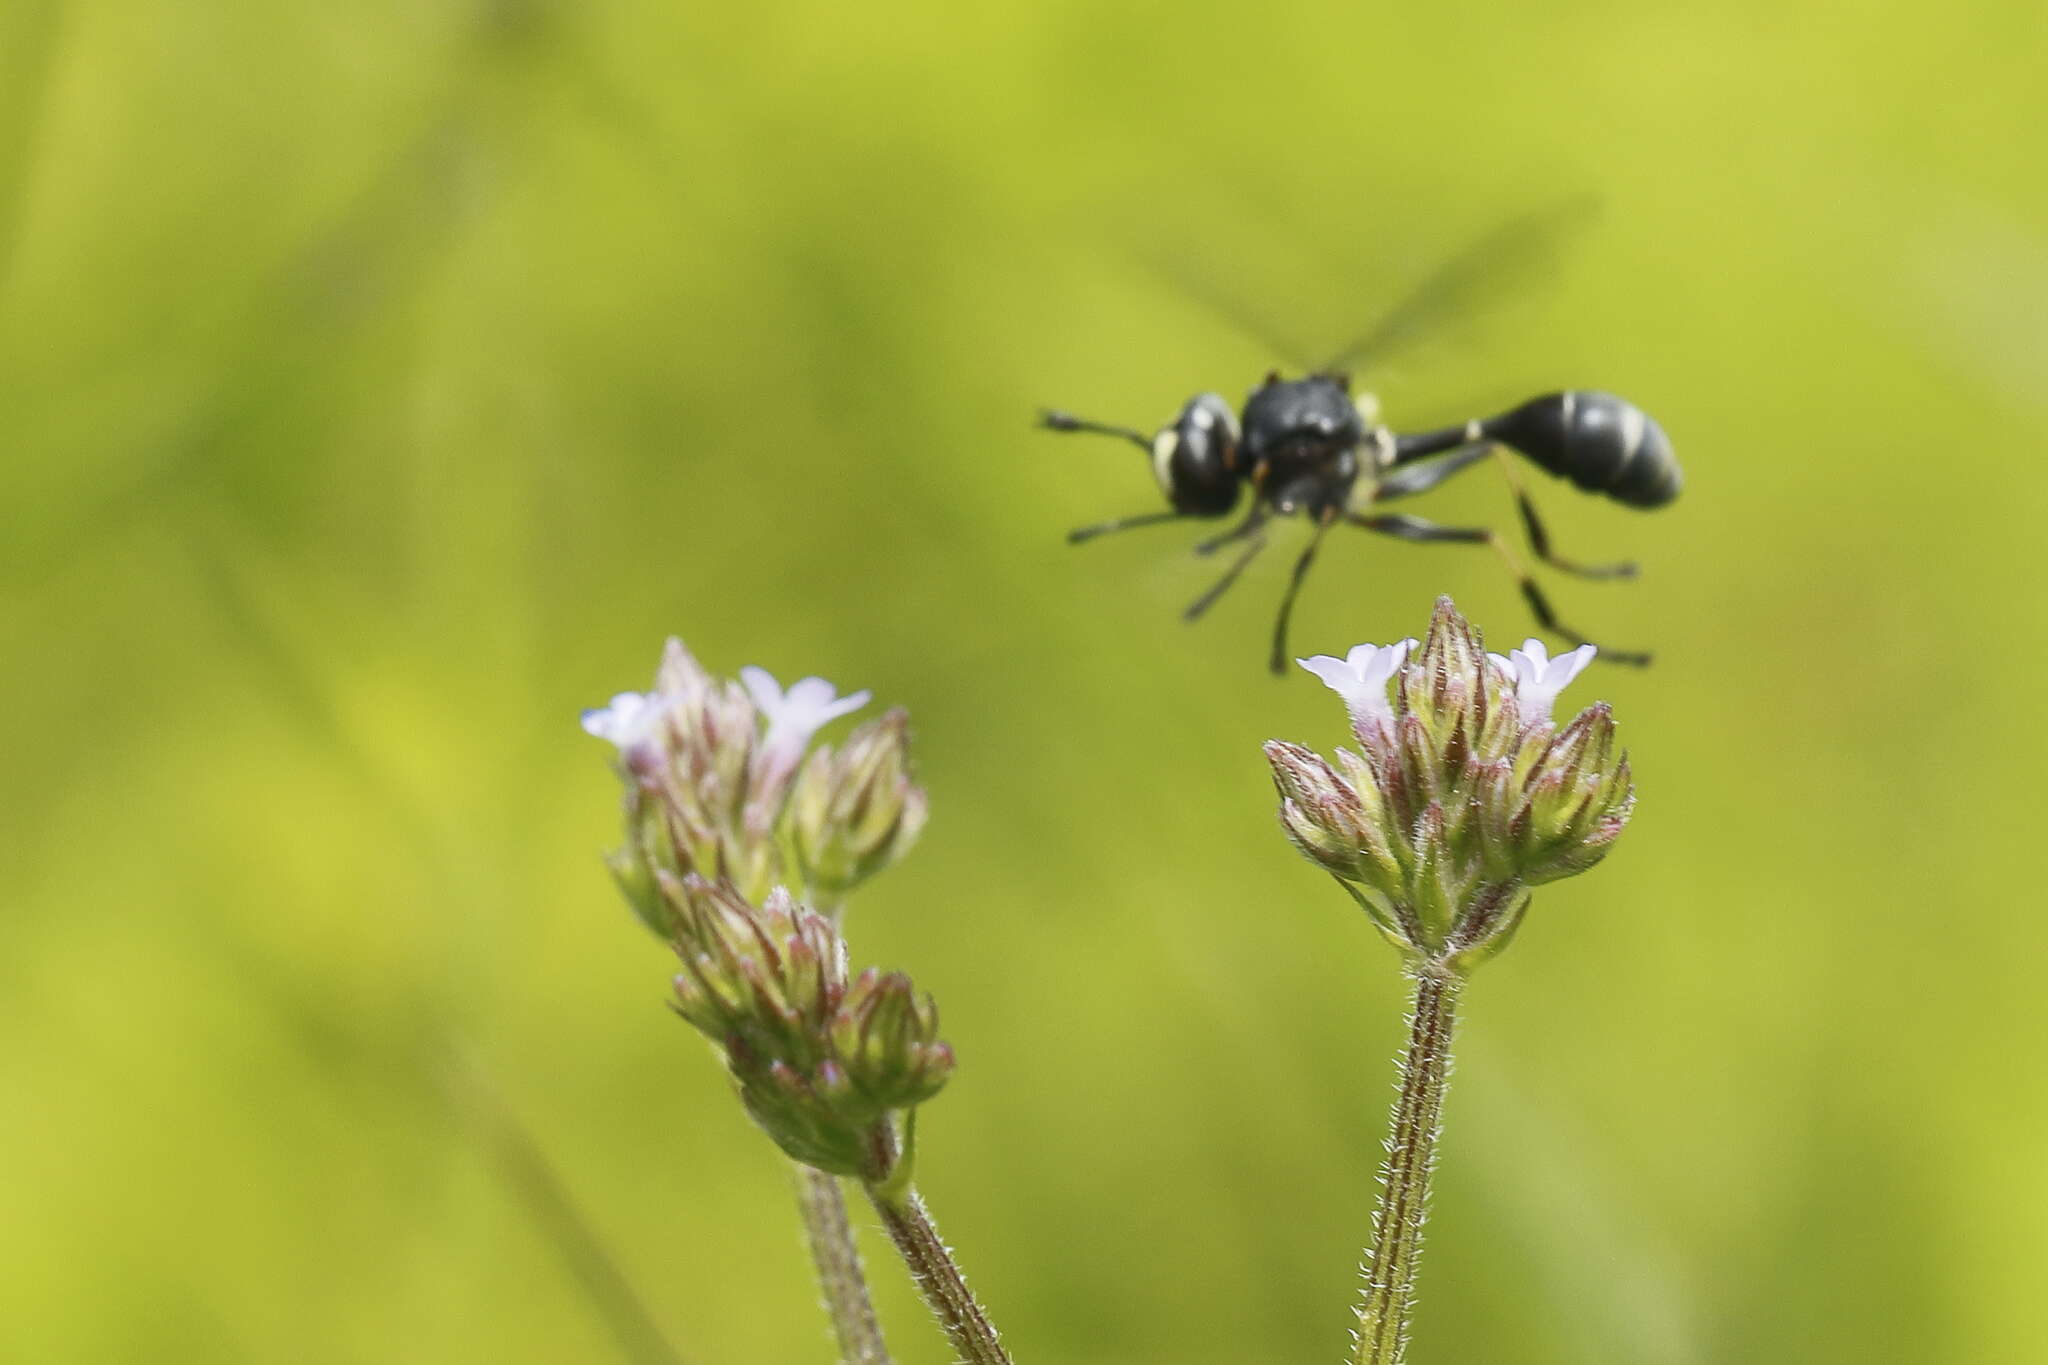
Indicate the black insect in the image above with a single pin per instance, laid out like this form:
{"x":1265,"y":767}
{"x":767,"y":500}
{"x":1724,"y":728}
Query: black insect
{"x":1312,"y":446}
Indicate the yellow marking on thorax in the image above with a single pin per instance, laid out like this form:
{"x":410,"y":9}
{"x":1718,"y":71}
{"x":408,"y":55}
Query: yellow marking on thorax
{"x":1162,"y":456}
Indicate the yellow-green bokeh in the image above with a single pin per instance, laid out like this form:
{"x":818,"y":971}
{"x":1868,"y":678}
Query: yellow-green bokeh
{"x":379,"y":384}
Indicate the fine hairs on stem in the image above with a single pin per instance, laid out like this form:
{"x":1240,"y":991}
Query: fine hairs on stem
{"x":938,"y":1277}
{"x":834,"y":1253}
{"x":837,"y":1260}
{"x":1388,"y":1298}
{"x":932,"y":1268}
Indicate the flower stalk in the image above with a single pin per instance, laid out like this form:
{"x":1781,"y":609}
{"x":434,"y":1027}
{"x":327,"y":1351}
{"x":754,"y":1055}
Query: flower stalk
{"x":1463,"y":794}
{"x":937,"y":1275}
{"x":837,"y":1260}
{"x":1388,"y":1299}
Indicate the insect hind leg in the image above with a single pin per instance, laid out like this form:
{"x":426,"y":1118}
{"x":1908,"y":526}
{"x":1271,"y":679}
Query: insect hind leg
{"x":1420,"y":531}
{"x":1539,"y":535}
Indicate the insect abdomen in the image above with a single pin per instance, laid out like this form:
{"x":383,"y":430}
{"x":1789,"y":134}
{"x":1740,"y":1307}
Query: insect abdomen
{"x":1601,"y":443}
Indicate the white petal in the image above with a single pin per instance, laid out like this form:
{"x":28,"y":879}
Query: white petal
{"x":1539,"y":678}
{"x":794,"y":716}
{"x":809,"y":694}
{"x":1567,"y":666}
{"x":1337,"y":674}
{"x":762,"y":687}
{"x":1359,"y":657}
{"x":1387,"y":662}
{"x":627,"y":719}
{"x":1360,"y":677}
{"x":1528,"y":669}
{"x":848,"y":704}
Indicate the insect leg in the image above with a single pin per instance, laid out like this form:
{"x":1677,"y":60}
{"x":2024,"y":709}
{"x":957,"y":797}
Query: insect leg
{"x":1278,"y":663}
{"x":1417,"y":445}
{"x":1253,"y":520}
{"x":1419,"y":530}
{"x":1103,"y":528}
{"x":1539,"y":537}
{"x":1054,"y":420}
{"x":1406,"y":480}
{"x":1208,"y":599}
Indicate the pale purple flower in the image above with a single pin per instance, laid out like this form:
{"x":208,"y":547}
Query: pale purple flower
{"x":1538,"y":678}
{"x":630,"y":720}
{"x":794,"y":716}
{"x":1361,"y":678}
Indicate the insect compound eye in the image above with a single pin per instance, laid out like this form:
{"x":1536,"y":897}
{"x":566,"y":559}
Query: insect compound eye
{"x":1195,"y":459}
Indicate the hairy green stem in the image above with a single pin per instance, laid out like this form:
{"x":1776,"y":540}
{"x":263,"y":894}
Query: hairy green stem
{"x":840,"y":1277}
{"x":1389,"y":1295}
{"x":833,"y":1250}
{"x":938,"y":1278}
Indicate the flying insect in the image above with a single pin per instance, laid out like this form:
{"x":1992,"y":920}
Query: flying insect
{"x":1311,"y":446}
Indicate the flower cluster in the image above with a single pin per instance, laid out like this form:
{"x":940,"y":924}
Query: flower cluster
{"x":821,"y":1058}
{"x":1464,"y":792}
{"x":710,"y":770}
{"x":728,"y":807}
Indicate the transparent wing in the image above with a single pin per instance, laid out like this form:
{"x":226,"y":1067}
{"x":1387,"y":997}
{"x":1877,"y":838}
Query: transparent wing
{"x":1244,"y":315}
{"x":1511,"y":254}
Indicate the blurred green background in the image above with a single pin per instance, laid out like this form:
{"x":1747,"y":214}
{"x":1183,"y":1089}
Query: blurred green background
{"x":380,"y":383}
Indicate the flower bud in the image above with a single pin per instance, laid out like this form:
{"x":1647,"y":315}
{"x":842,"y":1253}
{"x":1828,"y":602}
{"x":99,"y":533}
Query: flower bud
{"x":770,"y":975}
{"x":1441,"y":685}
{"x":1338,"y":820}
{"x":888,"y":1038}
{"x":820,"y":1059}
{"x":1577,"y":802}
{"x":855,"y":810}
